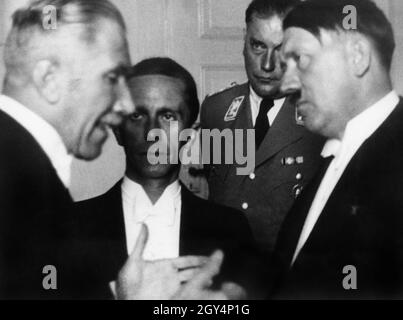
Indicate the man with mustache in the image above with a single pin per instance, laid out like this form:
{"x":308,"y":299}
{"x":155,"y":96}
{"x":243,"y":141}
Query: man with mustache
{"x":343,"y":237}
{"x":287,"y":154}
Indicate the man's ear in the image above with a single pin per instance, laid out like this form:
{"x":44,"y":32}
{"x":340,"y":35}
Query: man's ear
{"x":46,"y":80}
{"x":361,"y":55}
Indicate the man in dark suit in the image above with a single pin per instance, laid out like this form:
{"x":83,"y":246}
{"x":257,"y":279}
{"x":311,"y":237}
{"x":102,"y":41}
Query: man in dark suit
{"x":63,"y":88}
{"x":287,"y":155}
{"x":179,"y":223}
{"x":343,"y":237}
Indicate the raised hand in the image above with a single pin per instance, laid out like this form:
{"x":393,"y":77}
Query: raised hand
{"x":160,"y":280}
{"x":199,"y":288}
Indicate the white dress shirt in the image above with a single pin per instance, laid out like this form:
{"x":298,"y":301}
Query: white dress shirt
{"x":357,"y":131}
{"x":44,"y":134}
{"x":161,"y":218}
{"x":255,"y":101}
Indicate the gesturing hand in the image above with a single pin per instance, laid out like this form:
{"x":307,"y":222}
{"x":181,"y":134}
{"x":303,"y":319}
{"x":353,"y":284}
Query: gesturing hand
{"x":199,"y":287}
{"x":160,"y":280}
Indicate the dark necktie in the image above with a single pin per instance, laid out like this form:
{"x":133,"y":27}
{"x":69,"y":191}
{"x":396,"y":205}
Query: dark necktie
{"x":262,"y":122}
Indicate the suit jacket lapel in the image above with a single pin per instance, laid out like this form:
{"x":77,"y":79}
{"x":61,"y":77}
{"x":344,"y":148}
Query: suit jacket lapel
{"x":190,"y":225}
{"x":186,"y":225}
{"x":292,"y":227}
{"x":114,"y":221}
{"x":282,"y":133}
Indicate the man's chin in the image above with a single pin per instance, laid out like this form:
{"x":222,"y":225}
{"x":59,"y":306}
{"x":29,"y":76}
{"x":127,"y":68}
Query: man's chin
{"x":156,"y":171}
{"x":88,"y":155}
{"x":88,"y":152}
{"x":268,"y":90}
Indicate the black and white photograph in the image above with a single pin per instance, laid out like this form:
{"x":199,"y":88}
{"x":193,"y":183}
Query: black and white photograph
{"x":202,"y":150}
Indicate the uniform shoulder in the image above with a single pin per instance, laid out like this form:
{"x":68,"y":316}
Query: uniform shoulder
{"x":229,"y":92}
{"x":216,"y":105}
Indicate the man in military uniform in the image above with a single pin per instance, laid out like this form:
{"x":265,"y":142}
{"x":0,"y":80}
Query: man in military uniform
{"x":287,"y":154}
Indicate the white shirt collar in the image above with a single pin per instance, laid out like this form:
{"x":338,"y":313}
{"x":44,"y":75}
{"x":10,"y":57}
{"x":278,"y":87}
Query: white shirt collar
{"x":331,"y":148}
{"x":164,"y":208}
{"x":254,"y":96}
{"x":44,"y":133}
{"x":362,"y":126}
{"x":255,"y":101}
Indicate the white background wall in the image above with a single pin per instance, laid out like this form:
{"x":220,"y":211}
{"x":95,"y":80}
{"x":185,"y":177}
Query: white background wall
{"x":203,"y":35}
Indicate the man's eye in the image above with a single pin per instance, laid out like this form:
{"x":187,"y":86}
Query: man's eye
{"x":112,"y":78}
{"x":257,"y":46}
{"x":135,"y":116}
{"x":169,"y":116}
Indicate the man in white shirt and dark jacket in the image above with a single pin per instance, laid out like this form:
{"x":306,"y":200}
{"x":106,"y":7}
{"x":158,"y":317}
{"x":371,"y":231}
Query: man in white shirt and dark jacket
{"x":179,"y":223}
{"x":343,"y":238}
{"x":57,"y":102}
{"x":64,"y":86}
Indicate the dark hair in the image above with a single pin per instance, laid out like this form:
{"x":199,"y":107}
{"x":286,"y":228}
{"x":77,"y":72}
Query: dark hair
{"x":314,"y":15}
{"x":170,"y":68}
{"x":269,"y":8}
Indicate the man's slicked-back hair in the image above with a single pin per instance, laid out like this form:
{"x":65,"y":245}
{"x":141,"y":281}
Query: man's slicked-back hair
{"x":29,"y":21}
{"x":317,"y":15}
{"x":170,"y":68}
{"x":267,"y":8}
{"x":67,"y":11}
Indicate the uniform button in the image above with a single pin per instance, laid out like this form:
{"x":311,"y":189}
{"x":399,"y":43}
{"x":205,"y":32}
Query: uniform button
{"x":298,"y":176}
{"x":245,"y":205}
{"x":252,"y":176}
{"x":296,"y":190}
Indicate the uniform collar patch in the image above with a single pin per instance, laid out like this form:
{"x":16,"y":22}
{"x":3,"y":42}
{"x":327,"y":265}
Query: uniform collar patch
{"x":233,"y":109}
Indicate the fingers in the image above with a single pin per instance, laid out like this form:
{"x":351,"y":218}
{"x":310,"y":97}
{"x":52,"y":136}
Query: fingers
{"x":188,"y":274}
{"x":189,"y":262}
{"x":209,"y":270}
{"x":214,"y":295}
{"x":213,"y":266}
{"x":233,"y":291}
{"x":130,"y":276}
{"x":141,"y":242}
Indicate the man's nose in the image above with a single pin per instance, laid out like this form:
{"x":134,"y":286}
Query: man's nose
{"x":290,"y":82}
{"x":153,"y":130}
{"x":269,"y":61}
{"x":124,"y":102}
